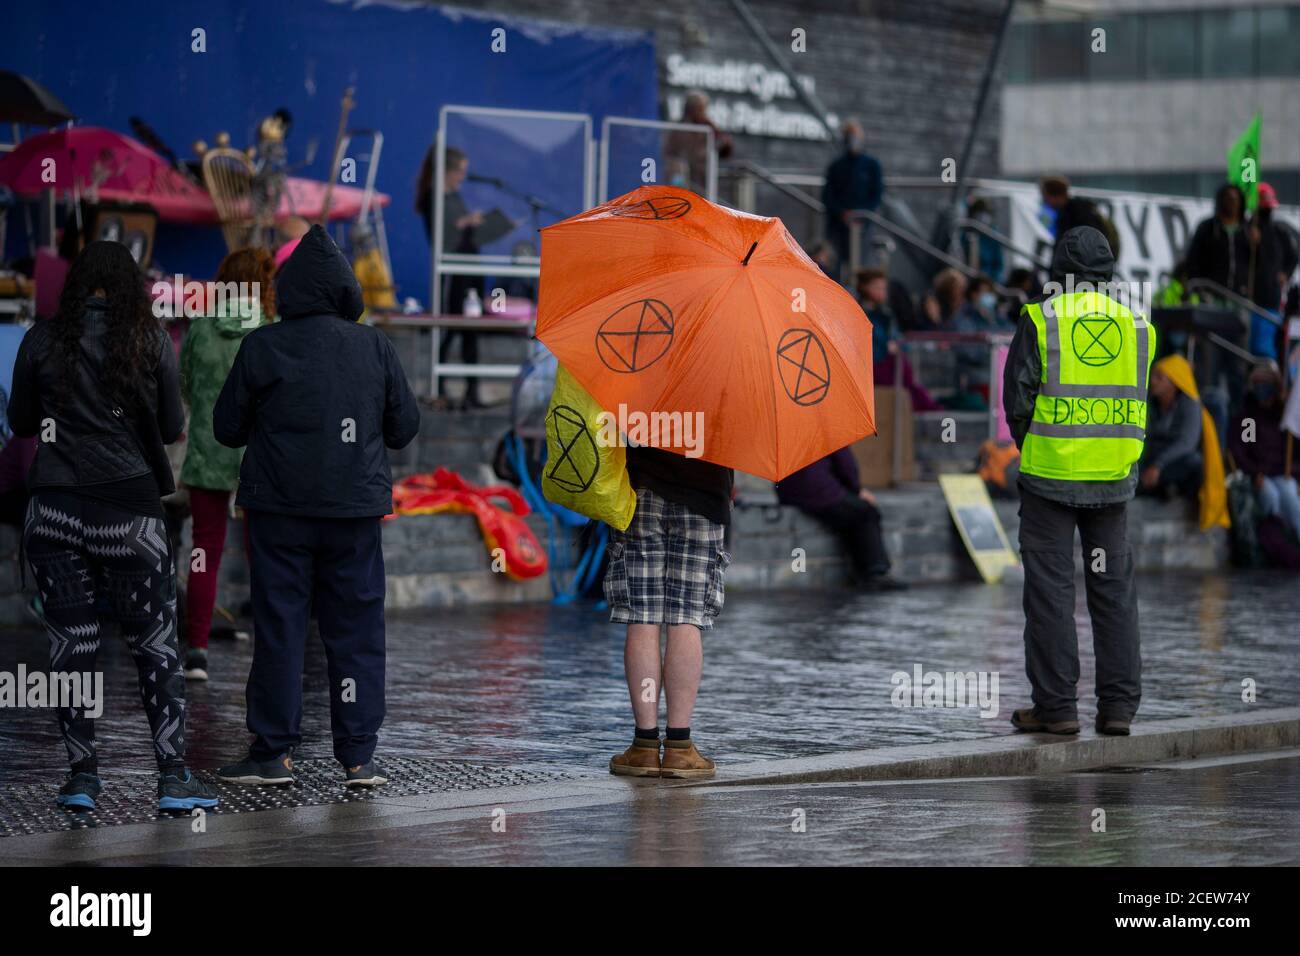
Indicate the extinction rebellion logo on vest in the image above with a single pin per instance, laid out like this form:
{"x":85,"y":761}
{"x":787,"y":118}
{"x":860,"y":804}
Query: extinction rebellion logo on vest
{"x":1096,"y":339}
{"x":76,"y":909}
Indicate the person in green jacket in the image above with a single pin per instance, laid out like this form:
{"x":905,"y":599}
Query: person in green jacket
{"x":211,"y":470}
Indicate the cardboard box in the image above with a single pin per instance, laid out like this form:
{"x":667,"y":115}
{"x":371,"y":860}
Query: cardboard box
{"x":875,"y":455}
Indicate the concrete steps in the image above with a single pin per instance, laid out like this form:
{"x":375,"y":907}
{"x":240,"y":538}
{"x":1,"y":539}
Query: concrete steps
{"x":441,"y":561}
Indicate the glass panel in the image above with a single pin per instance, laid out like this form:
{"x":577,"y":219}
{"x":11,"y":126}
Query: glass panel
{"x":1227,"y":43}
{"x":1015,"y":58}
{"x":1058,"y":52}
{"x":1123,"y":57}
{"x":1279,"y":41}
{"x":1170,"y":43}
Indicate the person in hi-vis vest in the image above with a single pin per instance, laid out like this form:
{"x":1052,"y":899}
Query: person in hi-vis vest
{"x":1075,"y":394}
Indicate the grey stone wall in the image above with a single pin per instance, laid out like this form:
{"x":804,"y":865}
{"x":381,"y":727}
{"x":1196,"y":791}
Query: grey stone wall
{"x":909,"y":70}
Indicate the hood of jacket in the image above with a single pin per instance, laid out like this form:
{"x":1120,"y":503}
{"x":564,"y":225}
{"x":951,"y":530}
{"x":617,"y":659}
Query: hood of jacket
{"x":317,"y":280}
{"x":1084,"y":253}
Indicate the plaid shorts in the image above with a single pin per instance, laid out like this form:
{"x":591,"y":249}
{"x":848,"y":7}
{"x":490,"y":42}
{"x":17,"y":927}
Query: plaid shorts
{"x":667,"y":567}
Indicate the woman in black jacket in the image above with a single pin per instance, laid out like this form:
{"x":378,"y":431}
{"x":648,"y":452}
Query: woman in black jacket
{"x":97,"y":385}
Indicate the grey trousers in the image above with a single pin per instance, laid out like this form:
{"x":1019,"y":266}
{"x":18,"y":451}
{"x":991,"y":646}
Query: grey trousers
{"x":1051,"y":641}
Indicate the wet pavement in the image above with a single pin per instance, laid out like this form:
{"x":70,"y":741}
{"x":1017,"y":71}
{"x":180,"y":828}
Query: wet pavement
{"x":1217,"y":812}
{"x":785,"y":675}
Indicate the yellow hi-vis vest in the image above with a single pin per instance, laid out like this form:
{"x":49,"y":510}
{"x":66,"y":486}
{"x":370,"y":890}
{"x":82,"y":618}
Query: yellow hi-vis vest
{"x":1090,"y":416}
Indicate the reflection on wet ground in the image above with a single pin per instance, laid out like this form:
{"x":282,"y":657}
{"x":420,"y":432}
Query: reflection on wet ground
{"x":1218,"y":815}
{"x":785,"y":675}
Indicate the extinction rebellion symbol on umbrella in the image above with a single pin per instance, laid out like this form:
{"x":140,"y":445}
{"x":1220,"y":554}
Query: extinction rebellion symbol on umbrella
{"x":660,"y":207}
{"x":636,"y":336}
{"x":576,"y":466}
{"x":1096,"y":339}
{"x":801,"y":360}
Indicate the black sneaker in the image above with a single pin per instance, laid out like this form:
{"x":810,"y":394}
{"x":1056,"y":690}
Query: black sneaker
{"x":185,"y":792}
{"x":79,"y":791}
{"x":196,"y":663}
{"x":277,"y":772}
{"x":367,"y":775}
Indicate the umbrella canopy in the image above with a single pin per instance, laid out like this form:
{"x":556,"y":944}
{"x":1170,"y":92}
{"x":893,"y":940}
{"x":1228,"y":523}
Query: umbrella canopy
{"x":134,"y":173}
{"x":662,"y":302}
{"x":23,"y":100}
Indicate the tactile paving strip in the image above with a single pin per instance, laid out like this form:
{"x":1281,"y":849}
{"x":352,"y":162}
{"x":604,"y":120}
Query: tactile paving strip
{"x":30,"y":808}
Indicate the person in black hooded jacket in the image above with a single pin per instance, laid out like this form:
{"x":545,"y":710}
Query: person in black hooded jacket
{"x":317,"y":399}
{"x":1053,"y":508}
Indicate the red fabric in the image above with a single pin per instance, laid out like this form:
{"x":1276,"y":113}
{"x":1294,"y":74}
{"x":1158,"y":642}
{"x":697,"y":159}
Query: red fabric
{"x":209,"y":509}
{"x":503,"y":528}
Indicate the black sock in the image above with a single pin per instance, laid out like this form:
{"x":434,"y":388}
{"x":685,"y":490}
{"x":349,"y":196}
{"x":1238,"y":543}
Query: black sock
{"x":651,"y":733}
{"x":89,"y":765}
{"x":679,"y":733}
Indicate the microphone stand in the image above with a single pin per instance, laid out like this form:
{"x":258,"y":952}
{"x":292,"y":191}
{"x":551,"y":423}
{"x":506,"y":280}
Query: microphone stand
{"x":536,"y":205}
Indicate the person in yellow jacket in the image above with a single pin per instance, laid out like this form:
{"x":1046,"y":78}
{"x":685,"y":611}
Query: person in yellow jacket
{"x":1182,"y":451}
{"x":1075,"y":395}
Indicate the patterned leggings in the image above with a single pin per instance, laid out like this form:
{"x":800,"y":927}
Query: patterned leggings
{"x":91,"y":559}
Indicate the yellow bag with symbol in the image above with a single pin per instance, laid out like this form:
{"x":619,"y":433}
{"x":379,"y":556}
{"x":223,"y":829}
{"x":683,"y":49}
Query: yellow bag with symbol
{"x":580,"y":473}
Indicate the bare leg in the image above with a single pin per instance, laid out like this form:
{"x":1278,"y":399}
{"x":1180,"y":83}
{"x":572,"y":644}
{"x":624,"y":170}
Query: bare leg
{"x":641,"y":664}
{"x":683,"y":665}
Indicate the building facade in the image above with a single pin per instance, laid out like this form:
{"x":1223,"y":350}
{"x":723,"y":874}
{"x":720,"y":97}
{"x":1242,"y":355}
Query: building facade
{"x":1148,"y":95}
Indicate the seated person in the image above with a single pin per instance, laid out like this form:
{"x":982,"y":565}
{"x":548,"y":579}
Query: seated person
{"x":873,"y":296}
{"x":1171,"y":459}
{"x":1182,"y":445}
{"x":830,"y":491}
{"x":1263,"y":457}
{"x":978,"y":312}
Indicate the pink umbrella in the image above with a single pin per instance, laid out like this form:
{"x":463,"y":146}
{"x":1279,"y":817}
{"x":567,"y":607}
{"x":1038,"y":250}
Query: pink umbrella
{"x":128,"y":171}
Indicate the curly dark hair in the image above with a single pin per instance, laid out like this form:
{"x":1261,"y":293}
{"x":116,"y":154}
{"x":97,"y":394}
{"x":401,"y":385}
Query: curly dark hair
{"x":252,"y":265}
{"x":132,"y":333}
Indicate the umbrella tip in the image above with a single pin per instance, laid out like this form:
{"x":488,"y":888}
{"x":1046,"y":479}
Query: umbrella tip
{"x":745,"y":261}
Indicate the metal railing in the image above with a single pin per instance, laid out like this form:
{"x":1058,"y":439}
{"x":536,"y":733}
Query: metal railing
{"x":909,"y":237}
{"x":1001,"y":239}
{"x":1240,"y":301}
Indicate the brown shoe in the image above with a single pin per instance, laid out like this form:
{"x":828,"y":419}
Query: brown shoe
{"x":1112,"y":726}
{"x":1026,"y":720}
{"x":682,"y":760}
{"x":639,"y":760}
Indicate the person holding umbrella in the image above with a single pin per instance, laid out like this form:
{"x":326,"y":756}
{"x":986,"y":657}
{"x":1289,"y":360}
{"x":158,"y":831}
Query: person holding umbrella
{"x":668,"y":308}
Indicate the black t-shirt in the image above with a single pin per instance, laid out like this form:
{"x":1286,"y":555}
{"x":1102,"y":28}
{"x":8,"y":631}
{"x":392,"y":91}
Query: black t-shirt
{"x":699,"y":485}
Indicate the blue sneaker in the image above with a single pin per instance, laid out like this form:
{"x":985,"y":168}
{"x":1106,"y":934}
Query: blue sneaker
{"x":184,"y":793}
{"x":79,"y":791}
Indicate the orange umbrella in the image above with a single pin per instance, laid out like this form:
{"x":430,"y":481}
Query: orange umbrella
{"x":661,"y":304}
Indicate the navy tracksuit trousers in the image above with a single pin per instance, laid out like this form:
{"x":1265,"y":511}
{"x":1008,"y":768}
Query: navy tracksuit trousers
{"x":337,"y":564}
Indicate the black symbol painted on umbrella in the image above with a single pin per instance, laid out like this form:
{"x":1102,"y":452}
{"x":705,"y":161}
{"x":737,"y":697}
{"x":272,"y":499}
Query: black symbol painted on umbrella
{"x":660,"y":207}
{"x":570,"y":472}
{"x":636,"y":336}
{"x":801,"y":362}
{"x":1096,"y":339}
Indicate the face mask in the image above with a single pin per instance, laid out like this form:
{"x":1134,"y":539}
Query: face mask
{"x":988,"y":301}
{"x":1263,"y":391}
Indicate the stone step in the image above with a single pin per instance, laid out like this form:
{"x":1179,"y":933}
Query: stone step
{"x":441,"y":560}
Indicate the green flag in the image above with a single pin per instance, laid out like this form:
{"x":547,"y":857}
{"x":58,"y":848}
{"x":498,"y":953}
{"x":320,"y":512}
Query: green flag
{"x":1243,"y":162}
